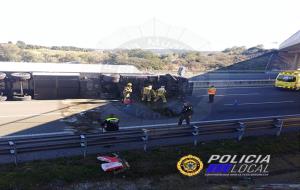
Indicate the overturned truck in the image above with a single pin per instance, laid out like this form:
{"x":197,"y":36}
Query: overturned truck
{"x":23,"y":81}
{"x":47,"y":86}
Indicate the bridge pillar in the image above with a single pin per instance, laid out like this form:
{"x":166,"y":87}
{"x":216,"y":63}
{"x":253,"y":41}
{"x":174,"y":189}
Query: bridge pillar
{"x":296,"y":61}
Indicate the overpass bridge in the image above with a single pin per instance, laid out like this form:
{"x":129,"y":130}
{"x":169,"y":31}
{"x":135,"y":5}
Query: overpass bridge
{"x":290,"y":50}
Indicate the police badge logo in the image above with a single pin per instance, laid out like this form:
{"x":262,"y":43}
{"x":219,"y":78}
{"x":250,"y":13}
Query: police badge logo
{"x":190,"y":165}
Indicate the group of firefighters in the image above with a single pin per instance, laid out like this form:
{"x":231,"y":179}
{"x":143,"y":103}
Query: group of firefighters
{"x":111,"y":123}
{"x":148,"y":93}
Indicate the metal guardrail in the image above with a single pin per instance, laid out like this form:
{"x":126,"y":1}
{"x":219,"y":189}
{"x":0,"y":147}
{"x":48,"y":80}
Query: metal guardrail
{"x":156,"y":135}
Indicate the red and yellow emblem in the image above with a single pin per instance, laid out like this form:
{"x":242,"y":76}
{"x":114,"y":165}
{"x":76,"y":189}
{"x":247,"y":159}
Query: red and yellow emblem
{"x":190,"y":165}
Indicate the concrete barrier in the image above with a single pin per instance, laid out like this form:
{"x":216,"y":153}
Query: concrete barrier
{"x":231,"y":83}
{"x":194,"y":86}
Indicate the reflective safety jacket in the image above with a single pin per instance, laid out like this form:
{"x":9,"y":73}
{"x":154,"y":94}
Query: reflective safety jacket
{"x":187,"y":111}
{"x":147,"y":90}
{"x":161,"y":92}
{"x":111,"y":124}
{"x":127,"y":89}
{"x":212,"y":91}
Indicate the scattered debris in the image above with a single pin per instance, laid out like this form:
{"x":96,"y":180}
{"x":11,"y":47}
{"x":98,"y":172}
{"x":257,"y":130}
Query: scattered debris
{"x":69,"y":120}
{"x":85,"y":121}
{"x":113,"y":163}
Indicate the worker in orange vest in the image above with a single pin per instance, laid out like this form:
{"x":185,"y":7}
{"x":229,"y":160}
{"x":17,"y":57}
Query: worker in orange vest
{"x":211,"y":93}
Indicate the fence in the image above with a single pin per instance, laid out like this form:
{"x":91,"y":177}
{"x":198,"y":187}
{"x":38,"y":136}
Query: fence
{"x":15,"y":150}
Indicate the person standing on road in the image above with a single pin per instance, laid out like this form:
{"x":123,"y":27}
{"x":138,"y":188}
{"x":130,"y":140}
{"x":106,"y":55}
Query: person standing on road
{"x":111,"y":123}
{"x":146,"y":93}
{"x":127,"y":91}
{"x":211,"y":93}
{"x":186,"y":114}
{"x":161,"y":94}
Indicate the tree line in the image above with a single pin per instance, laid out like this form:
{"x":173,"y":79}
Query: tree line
{"x":143,"y":59}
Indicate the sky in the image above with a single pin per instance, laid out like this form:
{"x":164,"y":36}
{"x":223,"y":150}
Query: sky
{"x":88,"y":23}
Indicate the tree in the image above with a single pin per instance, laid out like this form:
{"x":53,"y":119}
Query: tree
{"x":21,"y":44}
{"x":27,"y":56}
{"x":32,"y":56}
{"x":11,"y":52}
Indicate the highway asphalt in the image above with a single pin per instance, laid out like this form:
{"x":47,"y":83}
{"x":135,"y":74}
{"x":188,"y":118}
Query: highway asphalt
{"x":35,"y":117}
{"x":241,"y":102}
{"x":246,"y":102}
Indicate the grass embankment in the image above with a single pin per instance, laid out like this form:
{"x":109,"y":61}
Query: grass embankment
{"x":157,"y":164}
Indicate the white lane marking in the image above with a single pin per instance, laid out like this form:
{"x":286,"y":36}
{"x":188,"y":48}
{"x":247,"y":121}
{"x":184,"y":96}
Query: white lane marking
{"x":250,"y":94}
{"x":29,"y":115}
{"x":69,"y":128}
{"x":156,"y":125}
{"x":58,"y":101}
{"x":210,"y":121}
{"x":45,"y":114}
{"x":31,"y":102}
{"x":257,"y":103}
{"x":37,"y":135}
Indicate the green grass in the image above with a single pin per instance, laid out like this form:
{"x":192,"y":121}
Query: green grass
{"x":156,"y":163}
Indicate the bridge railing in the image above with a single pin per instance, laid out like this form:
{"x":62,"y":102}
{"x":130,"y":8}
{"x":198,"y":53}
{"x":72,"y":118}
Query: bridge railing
{"x":44,"y":147}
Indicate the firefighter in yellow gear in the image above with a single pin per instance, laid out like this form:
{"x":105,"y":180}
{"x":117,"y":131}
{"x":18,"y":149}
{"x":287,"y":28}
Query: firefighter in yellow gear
{"x":211,"y":93}
{"x":161,"y":93}
{"x":127,"y":91}
{"x":146,"y":93}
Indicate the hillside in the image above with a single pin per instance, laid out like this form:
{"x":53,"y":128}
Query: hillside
{"x":267,"y":61}
{"x":236,"y":58}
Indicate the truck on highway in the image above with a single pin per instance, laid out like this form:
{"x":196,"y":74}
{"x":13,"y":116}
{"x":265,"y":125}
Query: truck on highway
{"x":288,"y":80}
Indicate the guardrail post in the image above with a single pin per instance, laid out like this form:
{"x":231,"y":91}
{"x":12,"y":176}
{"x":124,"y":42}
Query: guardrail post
{"x":241,"y":130}
{"x":195,"y":135}
{"x":145,"y":138}
{"x":278,"y":123}
{"x":83,"y":144}
{"x":13,"y":151}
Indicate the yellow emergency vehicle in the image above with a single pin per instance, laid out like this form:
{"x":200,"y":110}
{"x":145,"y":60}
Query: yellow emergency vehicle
{"x":288,"y":80}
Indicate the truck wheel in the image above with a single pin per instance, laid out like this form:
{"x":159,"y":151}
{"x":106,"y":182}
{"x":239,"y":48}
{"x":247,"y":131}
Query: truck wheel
{"x":3,"y":98}
{"x":21,"y":76}
{"x":22,"y":98}
{"x":2,"y":76}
